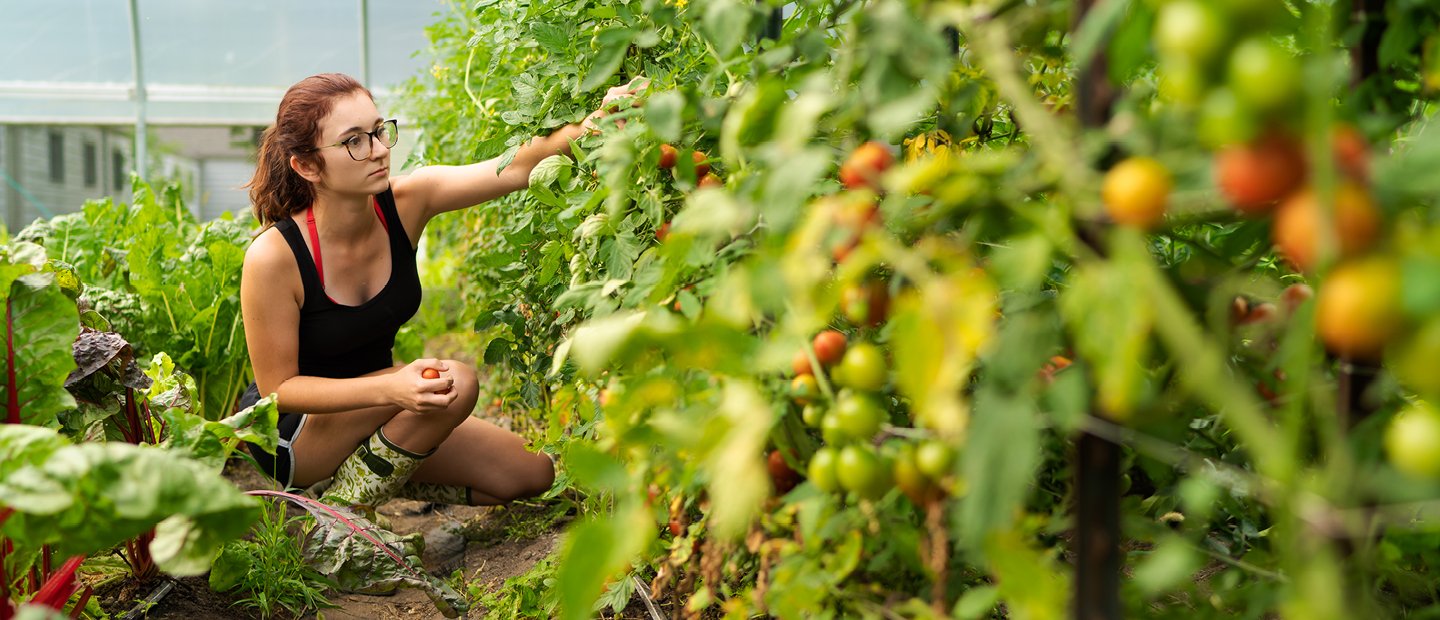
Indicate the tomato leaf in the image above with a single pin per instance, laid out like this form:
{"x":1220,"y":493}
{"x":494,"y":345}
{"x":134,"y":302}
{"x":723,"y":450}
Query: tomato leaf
{"x":614,"y":42}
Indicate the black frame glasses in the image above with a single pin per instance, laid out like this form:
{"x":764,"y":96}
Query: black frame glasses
{"x":388,"y":133}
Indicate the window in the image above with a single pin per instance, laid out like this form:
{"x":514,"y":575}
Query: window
{"x":57,"y":157}
{"x":92,"y":164}
{"x":117,"y":165}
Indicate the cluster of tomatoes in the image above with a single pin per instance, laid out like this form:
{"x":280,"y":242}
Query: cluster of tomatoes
{"x":703,"y":175}
{"x":858,"y":455}
{"x":1221,"y":59}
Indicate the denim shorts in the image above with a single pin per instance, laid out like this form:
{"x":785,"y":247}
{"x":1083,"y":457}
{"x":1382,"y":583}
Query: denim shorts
{"x":281,"y":465}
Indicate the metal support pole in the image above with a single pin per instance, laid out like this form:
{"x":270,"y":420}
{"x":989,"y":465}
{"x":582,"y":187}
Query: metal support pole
{"x":1097,"y":467}
{"x":140,"y":104}
{"x":365,"y":43}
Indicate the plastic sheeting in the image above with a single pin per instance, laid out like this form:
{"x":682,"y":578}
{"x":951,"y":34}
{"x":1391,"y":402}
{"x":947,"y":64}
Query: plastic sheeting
{"x":206,"y":62}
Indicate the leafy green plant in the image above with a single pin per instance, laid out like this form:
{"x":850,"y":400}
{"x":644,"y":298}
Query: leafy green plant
{"x":363,"y":557}
{"x":155,"y":490}
{"x":529,"y":595}
{"x":167,"y":282}
{"x":268,"y":569}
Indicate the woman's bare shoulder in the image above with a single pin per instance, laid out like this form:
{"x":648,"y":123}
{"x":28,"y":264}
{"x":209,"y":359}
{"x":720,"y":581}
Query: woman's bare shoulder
{"x":269,"y":259}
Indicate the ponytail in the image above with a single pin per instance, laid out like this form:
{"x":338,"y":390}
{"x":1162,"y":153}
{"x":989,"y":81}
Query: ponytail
{"x":276,"y":190}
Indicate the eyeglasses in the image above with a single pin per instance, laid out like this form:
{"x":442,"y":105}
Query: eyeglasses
{"x":388,"y":133}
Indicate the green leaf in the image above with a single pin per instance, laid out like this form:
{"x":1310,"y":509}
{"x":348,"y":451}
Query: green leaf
{"x":725,"y":24}
{"x":550,"y":36}
{"x":547,"y":171}
{"x":1171,"y":563}
{"x":664,"y":114}
{"x":1399,"y":43}
{"x":1029,"y":581}
{"x":738,"y":480}
{"x":596,"y":549}
{"x":896,"y":116}
{"x":1095,"y":30}
{"x":23,"y":445}
{"x":88,"y":497}
{"x":39,"y":315}
{"x":596,"y":342}
{"x":594,"y":469}
{"x":230,"y":567}
{"x":999,"y":461}
{"x":614,"y":42}
{"x":977,"y":602}
{"x":1420,"y":295}
{"x":1129,"y":48}
{"x":1110,"y":317}
{"x":497,"y":350}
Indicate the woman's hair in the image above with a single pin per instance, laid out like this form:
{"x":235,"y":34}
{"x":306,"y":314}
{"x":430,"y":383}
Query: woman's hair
{"x":276,"y":191}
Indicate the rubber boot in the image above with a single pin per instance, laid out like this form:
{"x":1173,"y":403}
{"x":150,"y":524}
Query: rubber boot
{"x":371,"y":475}
{"x":451,"y":494}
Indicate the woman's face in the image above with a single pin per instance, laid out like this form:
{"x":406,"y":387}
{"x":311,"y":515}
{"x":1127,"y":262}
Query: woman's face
{"x":352,"y":116}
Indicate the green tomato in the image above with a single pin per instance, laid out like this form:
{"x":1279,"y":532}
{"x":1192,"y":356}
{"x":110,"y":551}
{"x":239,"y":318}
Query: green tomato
{"x":908,"y":477}
{"x":1181,"y":82}
{"x":1412,"y":441}
{"x":863,"y":368}
{"x":1225,"y":120}
{"x":935,"y":458}
{"x":1190,"y":30}
{"x":1415,"y":360}
{"x":832,"y":431}
{"x":859,"y":469}
{"x":858,"y":415}
{"x":813,"y":416}
{"x":821,"y":470}
{"x":1263,"y":74}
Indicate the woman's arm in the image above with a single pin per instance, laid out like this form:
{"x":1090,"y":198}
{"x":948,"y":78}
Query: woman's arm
{"x":270,"y":297}
{"x":433,"y":190}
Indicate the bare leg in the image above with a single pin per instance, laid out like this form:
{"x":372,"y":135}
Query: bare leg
{"x":491,"y":461}
{"x":328,"y":439}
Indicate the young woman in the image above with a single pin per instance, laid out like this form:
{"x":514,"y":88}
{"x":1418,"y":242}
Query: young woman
{"x":329,"y":281}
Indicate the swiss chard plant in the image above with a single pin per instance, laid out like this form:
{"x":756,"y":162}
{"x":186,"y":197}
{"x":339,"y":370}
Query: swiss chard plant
{"x":98,"y":453}
{"x":169,"y":283}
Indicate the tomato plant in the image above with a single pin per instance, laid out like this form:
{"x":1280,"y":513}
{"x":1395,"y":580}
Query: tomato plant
{"x":939,"y":187}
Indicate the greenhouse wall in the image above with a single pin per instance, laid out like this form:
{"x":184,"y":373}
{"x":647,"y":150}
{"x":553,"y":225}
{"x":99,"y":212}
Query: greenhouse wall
{"x":53,"y":169}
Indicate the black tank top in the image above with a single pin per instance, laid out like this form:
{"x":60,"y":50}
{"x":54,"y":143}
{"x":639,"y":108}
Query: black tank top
{"x":339,"y":341}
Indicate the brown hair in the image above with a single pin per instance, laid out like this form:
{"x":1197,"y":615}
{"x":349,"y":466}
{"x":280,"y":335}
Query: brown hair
{"x":276,"y":191}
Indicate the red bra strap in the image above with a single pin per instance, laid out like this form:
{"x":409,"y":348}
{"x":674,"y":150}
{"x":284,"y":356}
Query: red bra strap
{"x":315,"y":244}
{"x":376,"y":200}
{"x":315,"y":237}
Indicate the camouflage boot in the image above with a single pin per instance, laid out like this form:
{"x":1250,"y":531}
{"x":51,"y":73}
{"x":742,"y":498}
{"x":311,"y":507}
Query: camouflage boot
{"x":372,"y":474}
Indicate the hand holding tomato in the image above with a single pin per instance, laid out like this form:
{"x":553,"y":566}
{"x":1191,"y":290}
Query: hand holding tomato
{"x":431,"y":373}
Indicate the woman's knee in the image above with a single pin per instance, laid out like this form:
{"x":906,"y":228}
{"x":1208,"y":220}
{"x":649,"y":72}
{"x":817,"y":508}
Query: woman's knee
{"x":530,"y":477}
{"x":466,"y":390}
{"x":540,"y":475}
{"x":467,"y":386}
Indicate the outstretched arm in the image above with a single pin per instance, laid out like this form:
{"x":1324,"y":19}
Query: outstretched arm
{"x":433,"y":190}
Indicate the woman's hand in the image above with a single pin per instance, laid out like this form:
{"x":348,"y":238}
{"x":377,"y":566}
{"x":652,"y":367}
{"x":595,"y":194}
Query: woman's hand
{"x":423,"y":386}
{"x":633,"y":88}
